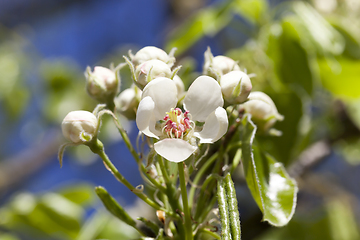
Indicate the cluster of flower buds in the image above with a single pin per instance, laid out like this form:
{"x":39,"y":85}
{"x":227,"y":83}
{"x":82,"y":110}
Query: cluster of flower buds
{"x":236,"y":89}
{"x":150,"y":63}
{"x":157,"y":91}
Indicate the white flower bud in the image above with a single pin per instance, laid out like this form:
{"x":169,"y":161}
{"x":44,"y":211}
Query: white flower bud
{"x":179,"y":86}
{"x":127,"y":102}
{"x":150,"y":70}
{"x":151,"y":53}
{"x":79,"y":126}
{"x":262,"y":109}
{"x":102,"y":83}
{"x":235,"y":86}
{"x":219,"y":65}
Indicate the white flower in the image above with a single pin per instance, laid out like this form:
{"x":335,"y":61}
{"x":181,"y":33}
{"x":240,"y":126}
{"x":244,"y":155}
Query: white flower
{"x":101,"y":83}
{"x":235,"y":86}
{"x":151,"y":69}
{"x":79,"y":126}
{"x":262,"y":109}
{"x":157,"y":116}
{"x":151,"y":53}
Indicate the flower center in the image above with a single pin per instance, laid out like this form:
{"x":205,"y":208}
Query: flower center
{"x":177,"y":123}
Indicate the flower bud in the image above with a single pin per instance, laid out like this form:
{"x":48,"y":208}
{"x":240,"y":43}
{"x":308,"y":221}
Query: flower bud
{"x":127,"y":102}
{"x":262,"y":109}
{"x":235,"y":86}
{"x":219,"y":65}
{"x":79,"y":126}
{"x":150,"y":70}
{"x":151,"y":53}
{"x":102,"y":84}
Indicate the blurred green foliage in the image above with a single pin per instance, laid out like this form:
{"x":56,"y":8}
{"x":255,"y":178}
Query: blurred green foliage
{"x":305,"y":59}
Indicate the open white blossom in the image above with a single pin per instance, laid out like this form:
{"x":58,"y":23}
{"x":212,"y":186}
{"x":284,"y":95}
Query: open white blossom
{"x":158,"y":117}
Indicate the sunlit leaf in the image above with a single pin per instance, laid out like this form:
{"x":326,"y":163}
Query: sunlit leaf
{"x":81,"y":194}
{"x":273,"y":190}
{"x":291,"y":59}
{"x":318,"y":30}
{"x":342,"y":220}
{"x":341,"y":77}
{"x":207,"y":22}
{"x":253,"y":10}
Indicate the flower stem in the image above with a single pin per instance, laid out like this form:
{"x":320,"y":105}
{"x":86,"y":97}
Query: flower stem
{"x":133,"y":152}
{"x":188,"y":222}
{"x":199,"y":175}
{"x":171,"y":193}
{"x":98,"y":148}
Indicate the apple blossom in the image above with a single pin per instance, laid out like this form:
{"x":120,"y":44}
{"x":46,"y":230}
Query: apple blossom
{"x":79,"y":126}
{"x":235,"y":86}
{"x":158,"y":117}
{"x":262,"y":109}
{"x":102,"y":83}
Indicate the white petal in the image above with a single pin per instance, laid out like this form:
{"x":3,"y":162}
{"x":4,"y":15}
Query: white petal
{"x":174,"y":150}
{"x":163,"y":92}
{"x":203,"y":97}
{"x":215,"y":126}
{"x":145,"y":119}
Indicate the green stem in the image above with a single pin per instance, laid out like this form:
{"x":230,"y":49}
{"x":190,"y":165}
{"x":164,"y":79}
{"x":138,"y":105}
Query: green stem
{"x":170,"y":192}
{"x":188,"y":222}
{"x":128,"y":144}
{"x":199,"y":175}
{"x":98,"y":148}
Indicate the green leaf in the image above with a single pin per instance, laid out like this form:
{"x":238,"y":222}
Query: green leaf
{"x":342,"y":220}
{"x":291,"y":59}
{"x":353,"y":109}
{"x":160,"y":235}
{"x":352,"y":45}
{"x":81,"y":194}
{"x":315,"y":30}
{"x":273,"y":190}
{"x":153,"y":226}
{"x":253,"y":10}
{"x":114,"y":207}
{"x":207,"y":22}
{"x":341,"y":77}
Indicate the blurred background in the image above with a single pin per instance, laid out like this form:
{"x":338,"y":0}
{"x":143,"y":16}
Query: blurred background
{"x":305,"y":54}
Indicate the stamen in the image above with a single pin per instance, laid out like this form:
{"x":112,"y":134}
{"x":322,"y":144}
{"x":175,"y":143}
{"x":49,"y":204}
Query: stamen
{"x":177,"y":124}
